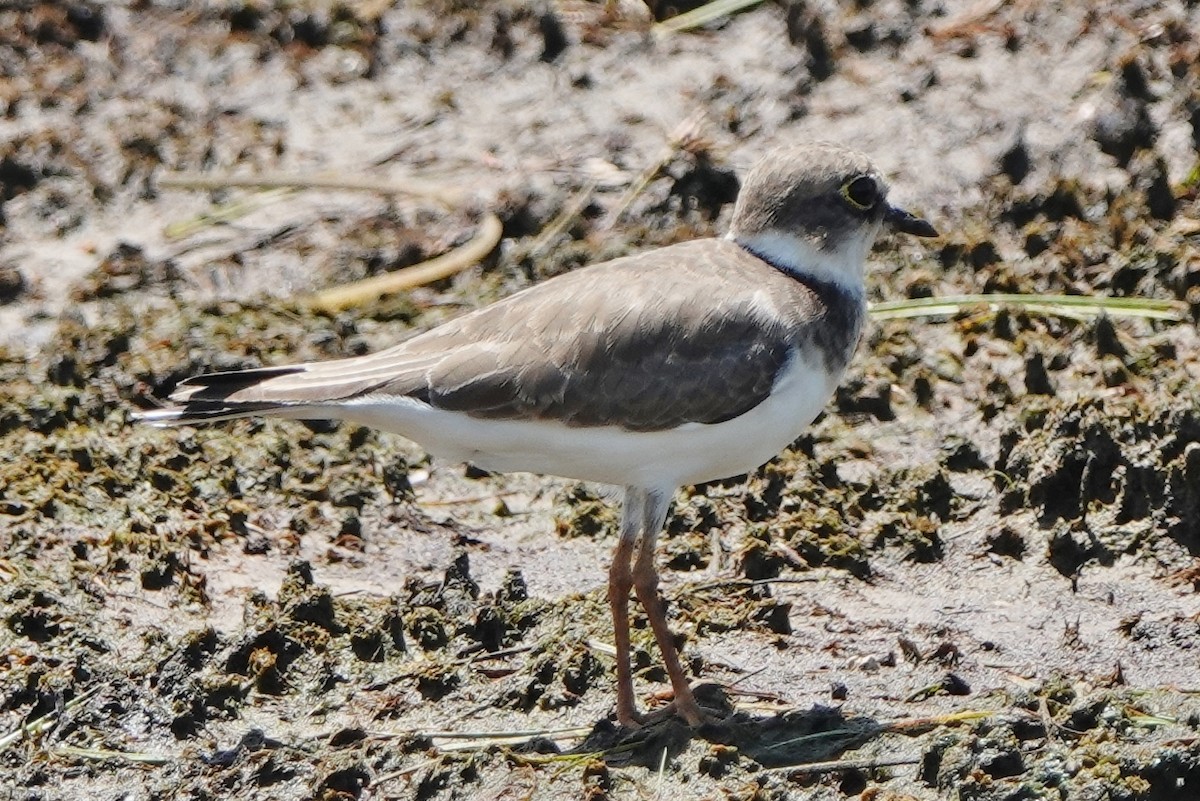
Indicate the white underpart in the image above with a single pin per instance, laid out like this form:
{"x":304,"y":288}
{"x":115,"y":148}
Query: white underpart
{"x":844,"y":266}
{"x":689,"y":454}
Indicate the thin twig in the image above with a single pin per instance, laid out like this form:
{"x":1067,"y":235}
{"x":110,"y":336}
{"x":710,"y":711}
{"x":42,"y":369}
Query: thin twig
{"x":403,"y":772}
{"x":746,"y":677}
{"x":501,"y":654}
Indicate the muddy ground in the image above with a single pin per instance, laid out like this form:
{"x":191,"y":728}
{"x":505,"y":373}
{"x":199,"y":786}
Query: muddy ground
{"x":976,"y":578}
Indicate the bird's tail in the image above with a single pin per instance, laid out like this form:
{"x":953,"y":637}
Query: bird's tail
{"x":231,"y":395}
{"x":202,"y":413}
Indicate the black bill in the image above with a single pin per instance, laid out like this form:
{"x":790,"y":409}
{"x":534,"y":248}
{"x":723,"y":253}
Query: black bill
{"x":907,"y":223}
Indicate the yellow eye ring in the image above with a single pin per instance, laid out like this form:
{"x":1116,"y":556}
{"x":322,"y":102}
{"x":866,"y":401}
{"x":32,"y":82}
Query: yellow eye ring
{"x":861,"y":193}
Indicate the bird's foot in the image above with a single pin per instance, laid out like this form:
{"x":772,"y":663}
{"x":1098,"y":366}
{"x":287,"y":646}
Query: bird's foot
{"x":716,"y":708}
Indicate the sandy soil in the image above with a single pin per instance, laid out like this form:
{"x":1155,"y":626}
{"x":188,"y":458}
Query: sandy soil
{"x":976,"y":578}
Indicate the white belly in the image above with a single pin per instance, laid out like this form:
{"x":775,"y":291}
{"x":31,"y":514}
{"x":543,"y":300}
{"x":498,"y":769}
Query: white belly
{"x":689,"y":454}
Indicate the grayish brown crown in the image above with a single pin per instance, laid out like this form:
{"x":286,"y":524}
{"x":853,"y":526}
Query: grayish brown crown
{"x":797,"y":190}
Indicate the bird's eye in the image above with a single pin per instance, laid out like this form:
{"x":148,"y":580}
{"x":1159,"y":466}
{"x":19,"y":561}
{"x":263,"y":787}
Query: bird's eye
{"x":862,"y":193}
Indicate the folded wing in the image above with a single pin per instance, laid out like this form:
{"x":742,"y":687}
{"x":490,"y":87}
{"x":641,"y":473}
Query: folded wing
{"x":590,"y":348}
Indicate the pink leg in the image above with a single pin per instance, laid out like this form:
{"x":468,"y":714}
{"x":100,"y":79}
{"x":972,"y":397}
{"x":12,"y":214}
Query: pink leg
{"x":619,"y":582}
{"x":645,"y":582}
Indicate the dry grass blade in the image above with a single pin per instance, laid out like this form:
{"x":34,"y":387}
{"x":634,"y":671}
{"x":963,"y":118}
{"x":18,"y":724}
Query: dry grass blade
{"x":569,"y":213}
{"x":662,"y":774}
{"x":225,"y":212}
{"x":39,"y":725}
{"x":416,"y":187}
{"x":1076,"y":306}
{"x":403,"y":773}
{"x":368,"y":290}
{"x":916,"y":724}
{"x":569,"y":731}
{"x":448,"y":742}
{"x":490,"y":497}
{"x":105,"y":754}
{"x":1147,"y":720}
{"x":445,"y":741}
{"x":848,"y":764}
{"x":702,"y":16}
{"x":688,"y":136}
{"x":853,"y":732}
{"x":600,"y":647}
{"x":845,"y":736}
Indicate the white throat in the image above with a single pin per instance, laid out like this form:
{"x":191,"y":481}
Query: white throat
{"x":844,"y":266}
